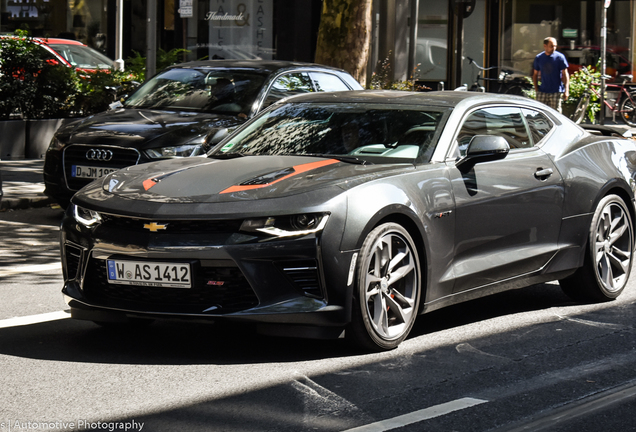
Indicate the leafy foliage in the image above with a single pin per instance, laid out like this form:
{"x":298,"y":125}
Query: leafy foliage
{"x":136,"y":65}
{"x":31,"y":86}
{"x":381,"y":79}
{"x":34,"y":86}
{"x":580,"y":81}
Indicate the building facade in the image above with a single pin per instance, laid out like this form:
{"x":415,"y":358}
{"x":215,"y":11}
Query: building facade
{"x":501,"y":33}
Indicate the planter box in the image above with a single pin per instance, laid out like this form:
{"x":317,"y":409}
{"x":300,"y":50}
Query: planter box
{"x":12,"y":139}
{"x":20,"y":139}
{"x":38,"y":137}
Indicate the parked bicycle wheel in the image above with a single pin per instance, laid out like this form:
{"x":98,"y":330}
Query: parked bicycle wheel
{"x":627,"y":109}
{"x":581,"y":109}
{"x":517,"y":90}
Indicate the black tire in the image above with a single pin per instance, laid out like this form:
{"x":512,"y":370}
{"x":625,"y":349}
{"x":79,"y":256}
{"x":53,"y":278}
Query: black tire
{"x":627,"y":109}
{"x":387,"y":291}
{"x":581,"y":109}
{"x":609,"y":254}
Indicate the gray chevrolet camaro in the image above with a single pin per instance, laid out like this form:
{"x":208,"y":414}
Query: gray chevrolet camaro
{"x":352,"y":213}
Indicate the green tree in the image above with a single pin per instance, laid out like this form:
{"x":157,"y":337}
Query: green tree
{"x":344,"y":35}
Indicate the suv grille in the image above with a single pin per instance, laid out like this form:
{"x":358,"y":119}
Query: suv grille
{"x":235,"y":294}
{"x":75,"y":154}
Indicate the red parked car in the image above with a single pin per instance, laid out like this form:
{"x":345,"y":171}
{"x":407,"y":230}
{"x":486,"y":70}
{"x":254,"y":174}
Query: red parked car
{"x":72,"y":53}
{"x":75,"y":54}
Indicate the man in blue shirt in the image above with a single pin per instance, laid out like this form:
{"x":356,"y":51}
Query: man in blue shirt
{"x":551,"y":67}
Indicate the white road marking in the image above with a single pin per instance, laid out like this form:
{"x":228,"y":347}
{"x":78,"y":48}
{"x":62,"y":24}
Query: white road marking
{"x":34,"y":319}
{"x":418,"y":416}
{"x":11,"y":270}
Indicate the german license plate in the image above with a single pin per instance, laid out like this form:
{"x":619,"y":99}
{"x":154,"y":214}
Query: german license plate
{"x":153,"y":274}
{"x":82,"y":171}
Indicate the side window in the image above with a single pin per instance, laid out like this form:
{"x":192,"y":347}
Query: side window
{"x":327,"y":82}
{"x":538,"y":123}
{"x":498,"y":121}
{"x":288,"y":85}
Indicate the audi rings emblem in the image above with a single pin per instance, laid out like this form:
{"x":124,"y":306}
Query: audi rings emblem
{"x":99,"y":155}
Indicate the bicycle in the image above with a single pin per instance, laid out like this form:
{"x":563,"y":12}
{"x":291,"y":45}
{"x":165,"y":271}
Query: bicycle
{"x":508,"y":83}
{"x":624,"y":105}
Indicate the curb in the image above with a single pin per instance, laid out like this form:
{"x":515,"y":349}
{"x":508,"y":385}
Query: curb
{"x":25,"y":203}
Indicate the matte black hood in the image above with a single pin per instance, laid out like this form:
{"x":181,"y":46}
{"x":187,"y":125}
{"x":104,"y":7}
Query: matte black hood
{"x":144,"y":128}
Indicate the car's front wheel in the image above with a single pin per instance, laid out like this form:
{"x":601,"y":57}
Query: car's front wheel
{"x":387,"y":292}
{"x":609,"y":256}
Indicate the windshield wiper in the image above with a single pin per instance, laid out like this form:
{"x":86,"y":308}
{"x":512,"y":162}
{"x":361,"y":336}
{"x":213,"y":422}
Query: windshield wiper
{"x":347,"y":159}
{"x":232,"y":155}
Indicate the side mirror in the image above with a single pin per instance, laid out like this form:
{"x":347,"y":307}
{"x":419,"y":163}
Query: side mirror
{"x":483,"y":148}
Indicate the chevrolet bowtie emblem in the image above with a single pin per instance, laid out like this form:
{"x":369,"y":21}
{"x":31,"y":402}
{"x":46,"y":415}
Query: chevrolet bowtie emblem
{"x":154,"y":226}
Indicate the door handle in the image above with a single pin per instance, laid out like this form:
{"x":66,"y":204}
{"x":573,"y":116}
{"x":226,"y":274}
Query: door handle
{"x":543,"y":174}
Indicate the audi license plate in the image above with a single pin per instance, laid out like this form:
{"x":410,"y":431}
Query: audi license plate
{"x":153,"y":274}
{"x":81,"y":171}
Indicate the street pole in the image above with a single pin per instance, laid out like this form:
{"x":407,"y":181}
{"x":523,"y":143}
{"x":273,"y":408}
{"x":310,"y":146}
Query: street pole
{"x":603,"y":60}
{"x":413,"y":38}
{"x":119,"y":36}
{"x":151,"y":39}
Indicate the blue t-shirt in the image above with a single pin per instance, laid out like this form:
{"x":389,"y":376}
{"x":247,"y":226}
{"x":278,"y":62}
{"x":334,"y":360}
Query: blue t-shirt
{"x":551,"y":67}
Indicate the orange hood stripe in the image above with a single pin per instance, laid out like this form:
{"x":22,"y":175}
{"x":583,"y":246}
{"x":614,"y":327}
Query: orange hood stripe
{"x":298,"y":169}
{"x":149,"y":183}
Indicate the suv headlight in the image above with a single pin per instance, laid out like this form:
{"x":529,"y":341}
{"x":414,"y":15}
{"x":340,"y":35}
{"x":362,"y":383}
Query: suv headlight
{"x":192,"y":148}
{"x":287,"y":226}
{"x":86,"y":217}
{"x":56,"y":144}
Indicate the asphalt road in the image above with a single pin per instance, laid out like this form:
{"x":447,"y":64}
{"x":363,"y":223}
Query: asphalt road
{"x":530,"y":359}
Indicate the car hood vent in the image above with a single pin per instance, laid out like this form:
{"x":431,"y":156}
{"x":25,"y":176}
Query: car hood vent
{"x":269,"y":178}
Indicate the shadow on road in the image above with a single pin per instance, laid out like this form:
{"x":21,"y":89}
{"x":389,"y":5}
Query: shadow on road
{"x":177,"y":343}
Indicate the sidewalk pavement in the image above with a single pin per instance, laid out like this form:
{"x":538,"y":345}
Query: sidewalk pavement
{"x":23,"y":185}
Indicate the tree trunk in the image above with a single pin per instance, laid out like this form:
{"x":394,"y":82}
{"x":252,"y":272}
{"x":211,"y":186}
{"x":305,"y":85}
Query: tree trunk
{"x":344,"y":35}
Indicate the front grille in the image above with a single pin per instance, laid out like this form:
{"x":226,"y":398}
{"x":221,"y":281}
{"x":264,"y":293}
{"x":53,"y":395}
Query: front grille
{"x":304,"y":275}
{"x":233,"y":295}
{"x":180,"y":226}
{"x":76,"y":155}
{"x":73,"y":255}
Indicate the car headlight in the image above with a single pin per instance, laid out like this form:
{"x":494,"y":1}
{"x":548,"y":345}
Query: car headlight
{"x":287,"y":226}
{"x":56,"y":144}
{"x":192,"y":148}
{"x":86,"y":217}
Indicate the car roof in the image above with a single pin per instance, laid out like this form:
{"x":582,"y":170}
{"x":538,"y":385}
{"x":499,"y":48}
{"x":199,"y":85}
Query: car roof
{"x":263,"y":66}
{"x":447,"y":98}
{"x":46,"y":41}
{"x":58,"y":41}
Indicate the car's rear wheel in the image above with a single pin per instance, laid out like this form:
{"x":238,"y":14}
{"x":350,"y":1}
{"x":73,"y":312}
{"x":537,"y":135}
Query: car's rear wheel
{"x":609,"y":256}
{"x":387,"y":292}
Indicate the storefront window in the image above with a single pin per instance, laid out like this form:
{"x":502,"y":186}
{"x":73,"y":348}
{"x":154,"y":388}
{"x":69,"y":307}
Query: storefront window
{"x":575,"y":24}
{"x":231,"y":29}
{"x":82,"y":20}
{"x":432,"y":35}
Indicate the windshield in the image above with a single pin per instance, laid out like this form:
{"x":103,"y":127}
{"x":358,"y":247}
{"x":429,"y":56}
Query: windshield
{"x":203,"y":90}
{"x":374,"y":133}
{"x":83,"y":57}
